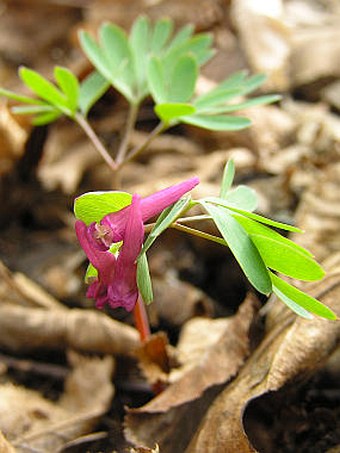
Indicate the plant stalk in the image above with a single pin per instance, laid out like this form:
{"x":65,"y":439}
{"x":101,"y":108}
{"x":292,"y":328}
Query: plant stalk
{"x":198,"y":233}
{"x":130,"y":124}
{"x":83,"y":123}
{"x":141,"y":320}
{"x":161,"y":127}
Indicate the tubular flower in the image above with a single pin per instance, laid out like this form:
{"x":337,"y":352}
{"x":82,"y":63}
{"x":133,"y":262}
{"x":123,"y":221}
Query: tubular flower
{"x":116,"y":283}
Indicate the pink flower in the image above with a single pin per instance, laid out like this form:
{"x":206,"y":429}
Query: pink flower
{"x":116,"y":283}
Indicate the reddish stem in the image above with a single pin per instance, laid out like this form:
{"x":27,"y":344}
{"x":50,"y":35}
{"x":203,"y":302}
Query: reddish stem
{"x":141,"y":320}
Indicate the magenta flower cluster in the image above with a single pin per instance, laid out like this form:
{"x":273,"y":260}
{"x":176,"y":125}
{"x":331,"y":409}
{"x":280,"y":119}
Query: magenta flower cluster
{"x":116,"y":283}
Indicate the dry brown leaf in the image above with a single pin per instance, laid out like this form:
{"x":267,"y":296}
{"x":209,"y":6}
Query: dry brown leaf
{"x":31,"y":421}
{"x":264,"y":38}
{"x":315,"y":54}
{"x":319,"y":214}
{"x":18,"y":289}
{"x":178,"y":301}
{"x":154,"y":359}
{"x":202,"y":13}
{"x":292,"y":348}
{"x":23,"y":39}
{"x":211,"y":351}
{"x":13,"y":136}
{"x":23,"y":328}
{"x":5,"y":446}
{"x":67,"y":172}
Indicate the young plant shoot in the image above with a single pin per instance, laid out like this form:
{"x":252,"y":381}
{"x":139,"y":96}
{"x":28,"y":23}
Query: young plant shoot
{"x":153,"y":61}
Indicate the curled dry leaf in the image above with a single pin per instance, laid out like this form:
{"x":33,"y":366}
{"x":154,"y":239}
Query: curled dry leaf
{"x":31,"y":421}
{"x":211,"y":352}
{"x":292,"y":348}
{"x":24,"y":328}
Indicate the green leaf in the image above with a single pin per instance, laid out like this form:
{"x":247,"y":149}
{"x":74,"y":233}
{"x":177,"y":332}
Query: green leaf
{"x":255,"y":227}
{"x":242,"y":196}
{"x":217,"y":122}
{"x":215,"y":97}
{"x":91,"y":89}
{"x":169,"y":111}
{"x":93,"y":206}
{"x":294,"y":297}
{"x":143,"y":279}
{"x":118,"y":55}
{"x":261,"y":100}
{"x":139,"y":42}
{"x":69,"y":84}
{"x":287,"y":259}
{"x":242,"y":247}
{"x":156,"y":80}
{"x":46,"y":118}
{"x":95,"y":54}
{"x":44,"y":89}
{"x":252,"y":215}
{"x":20,"y":98}
{"x":252,"y":83}
{"x":33,"y":109}
{"x":44,"y":114}
{"x":160,"y":35}
{"x":183,"y":35}
{"x":165,"y":219}
{"x":227,"y":179}
{"x":235,"y":80}
{"x":182,"y":84}
{"x":198,"y":46}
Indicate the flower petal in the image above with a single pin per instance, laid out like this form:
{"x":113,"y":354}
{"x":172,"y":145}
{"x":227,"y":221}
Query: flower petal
{"x":102,"y":260}
{"x":123,"y":291}
{"x":157,"y":202}
{"x":150,"y":206}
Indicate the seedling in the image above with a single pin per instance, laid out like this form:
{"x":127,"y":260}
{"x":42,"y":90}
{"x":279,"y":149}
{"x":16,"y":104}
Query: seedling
{"x":154,"y":62}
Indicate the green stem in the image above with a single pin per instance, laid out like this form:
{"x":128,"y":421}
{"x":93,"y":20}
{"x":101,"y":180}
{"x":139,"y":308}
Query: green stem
{"x":189,"y":230}
{"x":198,"y":233}
{"x":161,"y":127}
{"x":130,"y":124}
{"x":83,"y":123}
{"x":148,"y":227}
